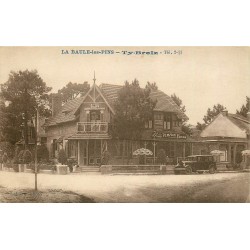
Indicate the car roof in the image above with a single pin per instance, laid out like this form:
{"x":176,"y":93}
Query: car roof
{"x":198,"y":155}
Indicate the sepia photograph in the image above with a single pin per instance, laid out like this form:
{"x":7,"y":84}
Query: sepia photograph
{"x":124,"y":124}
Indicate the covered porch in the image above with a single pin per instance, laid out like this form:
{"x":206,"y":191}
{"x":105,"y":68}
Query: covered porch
{"x":89,"y":151}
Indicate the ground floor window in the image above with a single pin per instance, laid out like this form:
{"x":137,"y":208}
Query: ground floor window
{"x":238,"y":156}
{"x":72,"y":148}
{"x":121,"y":151}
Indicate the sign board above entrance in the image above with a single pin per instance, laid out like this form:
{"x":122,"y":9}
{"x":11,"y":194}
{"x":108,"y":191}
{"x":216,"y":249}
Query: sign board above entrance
{"x":157,"y":134}
{"x":94,"y":105}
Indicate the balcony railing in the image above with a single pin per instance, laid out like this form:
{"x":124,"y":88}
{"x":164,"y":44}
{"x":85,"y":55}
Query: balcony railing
{"x":92,"y":127}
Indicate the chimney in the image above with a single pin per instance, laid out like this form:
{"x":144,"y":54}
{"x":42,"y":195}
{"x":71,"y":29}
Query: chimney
{"x":224,"y":112}
{"x":56,"y":104}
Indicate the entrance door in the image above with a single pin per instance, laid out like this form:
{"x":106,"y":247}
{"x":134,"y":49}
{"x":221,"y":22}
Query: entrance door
{"x":83,"y":157}
{"x":94,"y":152}
{"x":95,"y":118}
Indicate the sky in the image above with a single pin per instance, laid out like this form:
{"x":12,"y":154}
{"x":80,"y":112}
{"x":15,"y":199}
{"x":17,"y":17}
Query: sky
{"x":200,"y":76}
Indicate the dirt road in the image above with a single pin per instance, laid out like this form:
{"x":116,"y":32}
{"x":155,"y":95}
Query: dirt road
{"x":220,"y":187}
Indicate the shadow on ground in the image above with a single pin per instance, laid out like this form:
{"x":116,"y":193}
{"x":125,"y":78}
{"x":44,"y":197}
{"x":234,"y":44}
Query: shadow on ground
{"x":41,"y":196}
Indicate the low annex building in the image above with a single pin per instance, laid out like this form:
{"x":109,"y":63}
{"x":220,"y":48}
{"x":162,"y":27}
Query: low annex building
{"x":228,"y":133}
{"x":81,"y":127}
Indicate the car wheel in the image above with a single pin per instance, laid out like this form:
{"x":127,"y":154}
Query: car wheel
{"x":211,"y":170}
{"x":188,"y":170}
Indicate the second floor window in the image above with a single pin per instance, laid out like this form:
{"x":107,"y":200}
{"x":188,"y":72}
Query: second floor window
{"x":95,"y":115}
{"x":166,"y":125}
{"x":149,"y":124}
{"x":167,"y":122}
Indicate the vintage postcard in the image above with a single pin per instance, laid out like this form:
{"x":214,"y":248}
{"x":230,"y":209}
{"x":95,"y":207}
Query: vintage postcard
{"x":124,"y":124}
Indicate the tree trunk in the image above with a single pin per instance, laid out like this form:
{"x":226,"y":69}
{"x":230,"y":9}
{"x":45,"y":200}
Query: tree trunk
{"x":26,"y":139}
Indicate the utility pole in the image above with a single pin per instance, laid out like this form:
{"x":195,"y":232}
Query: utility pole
{"x":36,"y":149}
{"x":154,"y":144}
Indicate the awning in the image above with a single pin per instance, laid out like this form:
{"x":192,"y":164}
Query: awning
{"x":217,"y":152}
{"x":246,"y":152}
{"x":142,"y":151}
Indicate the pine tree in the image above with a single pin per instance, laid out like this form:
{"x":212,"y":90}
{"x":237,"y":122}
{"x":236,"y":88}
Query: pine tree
{"x":132,"y":108}
{"x":244,"y":108}
{"x":23,"y":94}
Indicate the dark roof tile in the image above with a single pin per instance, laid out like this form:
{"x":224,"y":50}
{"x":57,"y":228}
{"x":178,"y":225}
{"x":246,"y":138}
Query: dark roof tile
{"x":110,"y":92}
{"x":164,"y":102}
{"x":240,"y":121}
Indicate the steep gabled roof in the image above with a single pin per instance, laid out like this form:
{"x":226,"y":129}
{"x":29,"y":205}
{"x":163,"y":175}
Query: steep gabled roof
{"x":96,"y":88}
{"x":164,"y":102}
{"x":240,"y":121}
{"x":227,"y":125}
{"x":110,"y":94}
{"x":66,"y":114}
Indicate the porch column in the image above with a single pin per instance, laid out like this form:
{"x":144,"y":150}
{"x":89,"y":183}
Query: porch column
{"x":229,"y":157}
{"x":175,"y":153}
{"x":235,"y":146}
{"x":101,"y":149}
{"x":184,"y":149}
{"x":87,"y":150}
{"x":78,"y":152}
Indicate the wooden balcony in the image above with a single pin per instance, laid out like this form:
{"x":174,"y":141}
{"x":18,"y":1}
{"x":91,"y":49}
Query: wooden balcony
{"x":92,"y":127}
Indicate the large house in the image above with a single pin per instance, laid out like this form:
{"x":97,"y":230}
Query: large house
{"x":81,"y":127}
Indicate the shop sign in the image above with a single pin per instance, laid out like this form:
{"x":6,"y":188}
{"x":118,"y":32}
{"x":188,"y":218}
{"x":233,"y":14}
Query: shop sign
{"x":157,"y":134}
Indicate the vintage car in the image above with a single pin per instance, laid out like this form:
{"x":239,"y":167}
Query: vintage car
{"x":196,"y":163}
